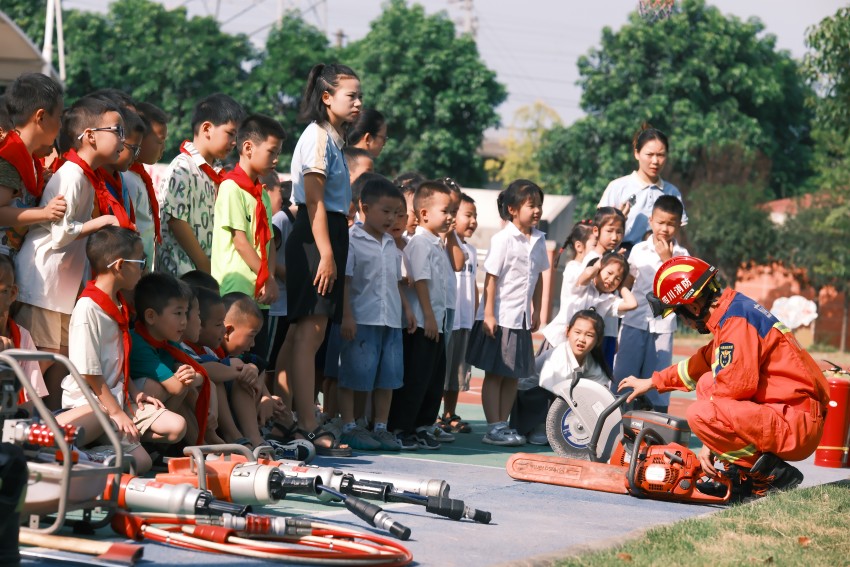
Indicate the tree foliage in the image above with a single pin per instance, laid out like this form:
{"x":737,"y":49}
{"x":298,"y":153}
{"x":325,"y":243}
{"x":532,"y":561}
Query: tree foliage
{"x":827,"y":65}
{"x":157,"y":55}
{"x":436,"y":93}
{"x":529,"y":125}
{"x":705,"y":79}
{"x":277,"y":80}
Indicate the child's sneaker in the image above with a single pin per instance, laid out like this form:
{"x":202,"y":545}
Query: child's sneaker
{"x":407,"y":441}
{"x":426,"y":440}
{"x":501,"y":436}
{"x":388,"y":441}
{"x":295,"y":450}
{"x":441,"y":435}
{"x":520,"y":439}
{"x":359,"y":438}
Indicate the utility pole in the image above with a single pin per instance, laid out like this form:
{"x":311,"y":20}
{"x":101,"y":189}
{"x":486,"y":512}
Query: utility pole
{"x":53,"y":18}
{"x":468,"y":22}
{"x":340,"y":36}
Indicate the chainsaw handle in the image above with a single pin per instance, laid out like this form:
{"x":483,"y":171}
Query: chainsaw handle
{"x":634,"y":490}
{"x":600,"y":423}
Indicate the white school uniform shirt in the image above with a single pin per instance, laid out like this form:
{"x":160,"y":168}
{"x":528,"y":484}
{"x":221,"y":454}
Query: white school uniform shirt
{"x":31,"y":369}
{"x":52,"y":260}
{"x":517,"y":261}
{"x":637,"y":223}
{"x":374,"y":269}
{"x":428,"y":261}
{"x":559,"y":364}
{"x":451,"y":281}
{"x":465,"y":281}
{"x":585,"y":297}
{"x":557,"y":328}
{"x":644,"y":262}
{"x":612,"y":323}
{"x":284,"y":225}
{"x":95,"y":346}
{"x":135,"y":187}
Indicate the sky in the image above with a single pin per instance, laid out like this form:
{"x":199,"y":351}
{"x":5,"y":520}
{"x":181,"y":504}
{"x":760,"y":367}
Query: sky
{"x":533,"y":45}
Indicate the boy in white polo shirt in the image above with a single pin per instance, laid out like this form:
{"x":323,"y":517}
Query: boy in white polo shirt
{"x":371,"y":355}
{"x":646,"y":342}
{"x":415,"y":405}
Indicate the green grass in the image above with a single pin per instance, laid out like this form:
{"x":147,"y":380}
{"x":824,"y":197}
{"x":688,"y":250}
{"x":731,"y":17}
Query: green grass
{"x":809,"y":526}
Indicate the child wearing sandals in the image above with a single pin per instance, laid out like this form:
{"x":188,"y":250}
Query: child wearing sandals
{"x":500,"y":343}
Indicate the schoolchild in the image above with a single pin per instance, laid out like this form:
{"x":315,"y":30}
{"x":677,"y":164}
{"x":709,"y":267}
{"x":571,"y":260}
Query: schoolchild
{"x":580,"y":354}
{"x":597,"y":287}
{"x":359,"y":162}
{"x":138,"y":180}
{"x":101,"y":351}
{"x":113,"y":196}
{"x":282,"y":219}
{"x":317,"y":247}
{"x":608,"y":227}
{"x":6,"y":125}
{"x":500,"y":342}
{"x":416,"y":404}
{"x":13,"y":335}
{"x":188,"y":188}
{"x":579,"y":242}
{"x":369,"y":132}
{"x":646,"y":341}
{"x":408,"y":182}
{"x":252,"y":404}
{"x":458,"y":372}
{"x":53,"y":256}
{"x":371,"y":352}
{"x":157,"y":363}
{"x":33,"y":104}
{"x":242,"y":254}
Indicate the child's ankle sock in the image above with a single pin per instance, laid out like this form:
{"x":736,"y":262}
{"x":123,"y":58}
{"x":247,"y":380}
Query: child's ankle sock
{"x":349,"y":427}
{"x":380,"y":426}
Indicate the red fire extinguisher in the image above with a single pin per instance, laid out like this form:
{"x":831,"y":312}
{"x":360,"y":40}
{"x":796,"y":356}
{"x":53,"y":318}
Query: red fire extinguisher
{"x":833,"y":448}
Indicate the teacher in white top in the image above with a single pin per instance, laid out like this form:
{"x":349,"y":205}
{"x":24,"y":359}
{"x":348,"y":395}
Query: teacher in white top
{"x":635,"y":194}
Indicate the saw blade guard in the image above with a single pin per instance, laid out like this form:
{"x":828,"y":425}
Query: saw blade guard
{"x":572,"y":419}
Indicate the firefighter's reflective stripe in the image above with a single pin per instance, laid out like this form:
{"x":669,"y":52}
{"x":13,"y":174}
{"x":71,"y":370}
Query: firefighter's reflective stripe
{"x":685,"y":377}
{"x":732,"y":456}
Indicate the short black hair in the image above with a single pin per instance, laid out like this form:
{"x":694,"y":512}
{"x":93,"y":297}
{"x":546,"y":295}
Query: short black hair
{"x":207,"y":298}
{"x":217,"y":109}
{"x":409,"y":181}
{"x":7,"y":265}
{"x":117,"y":96}
{"x":370,"y":121}
{"x":353,"y":154}
{"x":151,"y":113}
{"x":28,"y":93}
{"x":156,"y":290}
{"x":258,"y":128}
{"x":108,"y":244}
{"x":5,"y":121}
{"x":199,"y":278}
{"x":670,"y":205}
{"x":87,"y":112}
{"x":464,"y":198}
{"x":376,"y":187}
{"x":242,"y":304}
{"x":132,"y":121}
{"x":425,"y":191}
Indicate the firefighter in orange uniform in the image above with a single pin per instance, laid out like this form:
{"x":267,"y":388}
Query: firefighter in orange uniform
{"x":761,"y":398}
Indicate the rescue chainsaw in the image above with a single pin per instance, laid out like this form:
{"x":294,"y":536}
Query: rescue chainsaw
{"x":641,"y":453}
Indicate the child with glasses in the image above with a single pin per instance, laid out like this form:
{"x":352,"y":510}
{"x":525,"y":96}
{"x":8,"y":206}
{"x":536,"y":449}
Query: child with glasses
{"x":100,"y":350}
{"x":115,"y":200}
{"x":52,"y":259}
{"x":33,"y":105}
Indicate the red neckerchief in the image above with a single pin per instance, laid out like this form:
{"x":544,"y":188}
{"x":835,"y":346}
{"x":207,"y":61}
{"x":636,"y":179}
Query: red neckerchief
{"x":104,"y":200}
{"x":219,"y":352}
{"x":202,"y":408}
{"x":13,"y":150}
{"x":262,"y":232}
{"x":197,"y":349}
{"x":107,"y":203}
{"x":205,"y":167}
{"x":140,"y":170}
{"x":122,"y":318}
{"x":15,"y":335}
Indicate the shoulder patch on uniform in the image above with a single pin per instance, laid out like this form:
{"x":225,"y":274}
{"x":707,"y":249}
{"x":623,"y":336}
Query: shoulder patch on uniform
{"x":724,"y":354}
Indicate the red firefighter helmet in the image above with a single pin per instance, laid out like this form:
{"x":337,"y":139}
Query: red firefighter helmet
{"x":679,"y":281}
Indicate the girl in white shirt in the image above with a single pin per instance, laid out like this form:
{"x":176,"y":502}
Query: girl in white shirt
{"x":509,"y":311}
{"x":597,"y":288}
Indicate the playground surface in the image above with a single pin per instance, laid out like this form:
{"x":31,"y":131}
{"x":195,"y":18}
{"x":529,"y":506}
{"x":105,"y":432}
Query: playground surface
{"x":532,"y":524}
